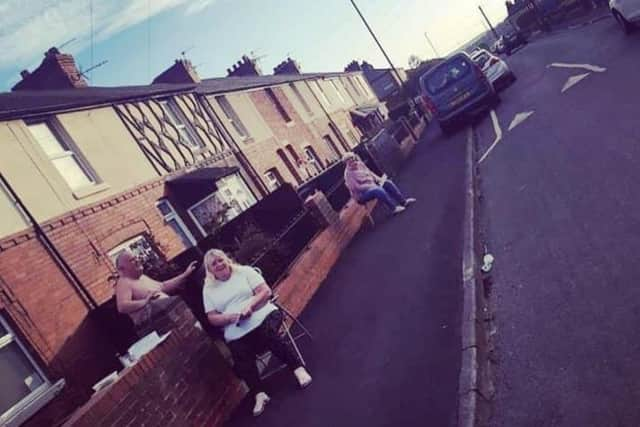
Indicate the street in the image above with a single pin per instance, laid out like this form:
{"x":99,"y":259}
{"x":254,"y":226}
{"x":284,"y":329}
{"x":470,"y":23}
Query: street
{"x":386,"y":322}
{"x":561,"y":215}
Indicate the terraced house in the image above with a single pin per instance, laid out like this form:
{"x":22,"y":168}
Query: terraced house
{"x":89,"y":171}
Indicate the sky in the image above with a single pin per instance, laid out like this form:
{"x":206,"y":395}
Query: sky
{"x":141,"y":38}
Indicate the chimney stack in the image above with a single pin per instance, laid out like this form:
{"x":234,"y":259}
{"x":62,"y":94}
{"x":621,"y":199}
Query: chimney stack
{"x":57,"y":71}
{"x":289,"y":66}
{"x":353,"y":66}
{"x":182,"y":71}
{"x":244,"y":67}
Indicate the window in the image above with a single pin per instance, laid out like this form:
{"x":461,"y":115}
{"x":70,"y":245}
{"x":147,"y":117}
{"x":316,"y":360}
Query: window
{"x":185,"y":133}
{"x":143,"y":248}
{"x":312,"y":160}
{"x":67,"y":161}
{"x":292,"y":153}
{"x":352,"y":137}
{"x":332,"y":146}
{"x":363,"y":85}
{"x":301,"y":99}
{"x":232,"y":198}
{"x":232,"y":116}
{"x":24,"y":385}
{"x":274,"y":179}
{"x":319,"y":90}
{"x":335,"y":86}
{"x":276,"y":103}
{"x":346,"y":90}
{"x":172,"y":219}
{"x":353,"y":85}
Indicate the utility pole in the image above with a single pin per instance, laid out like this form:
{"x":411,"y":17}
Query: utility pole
{"x":431,"y":44}
{"x":493,"y":30}
{"x":393,"y":68}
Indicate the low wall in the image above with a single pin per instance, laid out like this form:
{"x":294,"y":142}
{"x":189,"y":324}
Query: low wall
{"x":185,"y":380}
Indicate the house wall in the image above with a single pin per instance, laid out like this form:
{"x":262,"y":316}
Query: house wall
{"x":47,"y":311}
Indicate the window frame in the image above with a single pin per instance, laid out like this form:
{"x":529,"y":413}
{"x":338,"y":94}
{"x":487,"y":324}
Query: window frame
{"x":335,"y":86}
{"x":177,"y":118}
{"x":232,"y":116}
{"x":36,"y":399}
{"x":311,"y":157}
{"x":298,"y":94}
{"x":323,"y":95}
{"x":278,"y":105}
{"x":173,"y":216}
{"x":277,"y":178}
{"x":353,"y":85}
{"x":69,"y":149}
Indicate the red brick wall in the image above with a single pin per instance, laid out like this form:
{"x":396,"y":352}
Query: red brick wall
{"x":44,"y":307}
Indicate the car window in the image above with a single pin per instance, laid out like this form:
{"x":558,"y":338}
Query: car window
{"x":481,"y":59}
{"x":446,"y":74}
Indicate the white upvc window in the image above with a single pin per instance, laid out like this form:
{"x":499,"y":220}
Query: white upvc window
{"x":312,"y":160}
{"x":301,"y":99}
{"x":185,"y":133}
{"x":24,"y":387}
{"x":335,"y":86}
{"x":353,"y":85}
{"x":64,"y":156}
{"x":364,"y":85}
{"x":320,"y":91}
{"x":232,"y":116}
{"x":173,"y":220}
{"x":273,"y":178}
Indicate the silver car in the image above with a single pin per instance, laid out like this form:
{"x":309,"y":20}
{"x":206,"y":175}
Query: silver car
{"x":496,"y":70}
{"x":626,"y":12}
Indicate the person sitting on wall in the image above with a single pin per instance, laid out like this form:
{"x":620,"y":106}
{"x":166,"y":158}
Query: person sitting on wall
{"x":364,"y":185}
{"x":140,"y":296}
{"x":236,"y":299}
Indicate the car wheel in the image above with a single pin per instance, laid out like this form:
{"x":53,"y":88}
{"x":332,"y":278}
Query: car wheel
{"x":624,"y":24}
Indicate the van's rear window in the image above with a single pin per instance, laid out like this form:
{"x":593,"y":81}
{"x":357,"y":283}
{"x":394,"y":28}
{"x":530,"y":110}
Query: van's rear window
{"x":447,"y":74}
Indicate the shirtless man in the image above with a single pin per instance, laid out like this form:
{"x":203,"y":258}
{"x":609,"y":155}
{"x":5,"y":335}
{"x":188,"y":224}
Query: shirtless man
{"x":140,"y":296}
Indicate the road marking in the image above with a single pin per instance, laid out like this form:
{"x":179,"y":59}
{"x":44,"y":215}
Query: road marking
{"x":498,"y":131}
{"x":519,"y":118}
{"x":574,"y":80}
{"x":588,"y":67}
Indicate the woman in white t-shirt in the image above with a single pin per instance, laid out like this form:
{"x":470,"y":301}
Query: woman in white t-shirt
{"x":236,"y":299}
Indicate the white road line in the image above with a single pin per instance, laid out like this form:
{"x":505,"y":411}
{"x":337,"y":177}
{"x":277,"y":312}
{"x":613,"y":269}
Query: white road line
{"x":519,"y":118}
{"x":588,"y":67}
{"x":498,"y":131}
{"x":574,"y":80}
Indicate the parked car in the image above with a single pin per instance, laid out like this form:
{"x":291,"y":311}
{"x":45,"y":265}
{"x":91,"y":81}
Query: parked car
{"x":456,"y":89}
{"x":496,"y":70}
{"x":509,"y":43}
{"x":626,"y":12}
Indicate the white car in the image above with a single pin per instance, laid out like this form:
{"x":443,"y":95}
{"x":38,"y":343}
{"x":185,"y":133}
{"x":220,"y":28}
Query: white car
{"x":626,"y":12}
{"x":496,"y":70}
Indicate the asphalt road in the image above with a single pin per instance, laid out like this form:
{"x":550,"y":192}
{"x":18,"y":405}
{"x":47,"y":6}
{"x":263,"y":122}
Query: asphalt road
{"x":386,"y":322}
{"x":561,"y":214}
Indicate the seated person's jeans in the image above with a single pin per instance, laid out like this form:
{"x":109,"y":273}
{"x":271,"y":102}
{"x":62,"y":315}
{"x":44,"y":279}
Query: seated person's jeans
{"x":388,"y":193}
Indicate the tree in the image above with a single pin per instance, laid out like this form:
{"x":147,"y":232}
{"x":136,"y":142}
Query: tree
{"x":414,"y":61}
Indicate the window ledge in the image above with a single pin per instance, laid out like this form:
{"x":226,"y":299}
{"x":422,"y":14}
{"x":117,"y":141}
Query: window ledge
{"x":18,"y":416}
{"x":84,"y":192}
{"x":291,"y":124}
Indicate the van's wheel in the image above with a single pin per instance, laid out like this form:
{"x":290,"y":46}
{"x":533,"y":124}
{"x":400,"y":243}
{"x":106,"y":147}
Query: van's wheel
{"x":624,"y":24}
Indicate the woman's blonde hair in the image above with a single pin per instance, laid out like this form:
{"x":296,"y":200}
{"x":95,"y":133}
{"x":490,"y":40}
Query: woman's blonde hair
{"x":217,"y":253}
{"x":350,"y":156}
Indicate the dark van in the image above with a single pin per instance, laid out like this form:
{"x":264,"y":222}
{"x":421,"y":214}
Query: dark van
{"x":455,"y":89}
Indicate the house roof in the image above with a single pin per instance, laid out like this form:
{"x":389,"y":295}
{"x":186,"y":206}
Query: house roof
{"x":27,"y":103}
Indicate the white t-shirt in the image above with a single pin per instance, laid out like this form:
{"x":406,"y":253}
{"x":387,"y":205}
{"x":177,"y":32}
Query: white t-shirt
{"x":232,"y":296}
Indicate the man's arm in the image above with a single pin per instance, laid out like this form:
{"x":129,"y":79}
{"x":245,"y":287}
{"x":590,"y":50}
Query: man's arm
{"x":172,"y":285}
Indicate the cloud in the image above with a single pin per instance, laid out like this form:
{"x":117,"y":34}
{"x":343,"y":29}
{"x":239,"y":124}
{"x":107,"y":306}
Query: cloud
{"x":196,"y":6}
{"x":29,"y":28}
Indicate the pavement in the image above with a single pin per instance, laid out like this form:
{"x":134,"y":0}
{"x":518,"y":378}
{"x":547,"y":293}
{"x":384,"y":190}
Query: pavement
{"x":386,"y":322}
{"x":561,"y":214}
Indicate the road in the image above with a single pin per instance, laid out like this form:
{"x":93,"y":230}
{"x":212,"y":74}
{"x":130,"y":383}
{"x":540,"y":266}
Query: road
{"x":561,"y":213}
{"x":386,"y":322}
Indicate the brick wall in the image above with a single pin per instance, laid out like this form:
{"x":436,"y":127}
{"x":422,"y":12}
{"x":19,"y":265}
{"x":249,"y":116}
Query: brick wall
{"x":185,"y":381}
{"x":47,"y":311}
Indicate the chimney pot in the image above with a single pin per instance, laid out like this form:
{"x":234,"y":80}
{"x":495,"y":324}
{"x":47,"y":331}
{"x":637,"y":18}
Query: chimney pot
{"x":24,"y":73}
